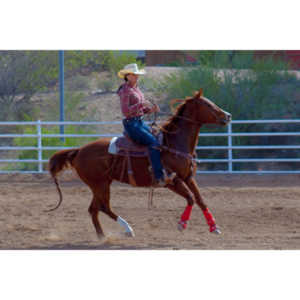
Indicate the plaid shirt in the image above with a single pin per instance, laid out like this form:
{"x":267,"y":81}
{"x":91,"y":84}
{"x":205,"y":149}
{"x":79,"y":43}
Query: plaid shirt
{"x":132,"y":100}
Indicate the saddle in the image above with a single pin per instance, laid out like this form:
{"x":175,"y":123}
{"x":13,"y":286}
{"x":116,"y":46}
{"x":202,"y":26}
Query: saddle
{"x":125,"y":146}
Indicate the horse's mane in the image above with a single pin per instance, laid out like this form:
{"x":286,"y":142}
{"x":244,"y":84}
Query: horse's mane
{"x":171,"y":123}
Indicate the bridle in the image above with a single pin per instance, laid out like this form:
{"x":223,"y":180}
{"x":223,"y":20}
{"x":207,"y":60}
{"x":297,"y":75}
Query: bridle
{"x":174,"y":151}
{"x":218,"y":119}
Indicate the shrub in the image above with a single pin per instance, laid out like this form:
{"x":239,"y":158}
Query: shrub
{"x":108,"y":85}
{"x":114,"y":62}
{"x":263,"y":91}
{"x":117,"y":61}
{"x":74,"y":108}
{"x":77,"y":82}
{"x":22,"y":74}
{"x":147,"y":84}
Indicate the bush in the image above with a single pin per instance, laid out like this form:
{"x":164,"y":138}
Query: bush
{"x":22,"y":74}
{"x":74,"y":108}
{"x":265,"y":90}
{"x":114,"y":62}
{"x":174,"y":64}
{"x":147,"y":84}
{"x":117,"y":61}
{"x":77,"y":82}
{"x":108,"y":85}
{"x":25,"y":73}
{"x":86,"y":62}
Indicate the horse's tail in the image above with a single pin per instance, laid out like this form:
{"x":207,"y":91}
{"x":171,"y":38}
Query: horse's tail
{"x":57,"y":163}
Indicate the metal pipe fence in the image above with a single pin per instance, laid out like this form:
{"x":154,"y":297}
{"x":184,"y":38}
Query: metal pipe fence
{"x":230,"y":147}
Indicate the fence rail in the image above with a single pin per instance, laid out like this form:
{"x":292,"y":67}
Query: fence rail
{"x":230,"y":160}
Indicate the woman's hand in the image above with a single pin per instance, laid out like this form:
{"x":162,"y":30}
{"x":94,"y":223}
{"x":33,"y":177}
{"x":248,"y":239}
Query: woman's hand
{"x":151,"y":109}
{"x":155,"y":108}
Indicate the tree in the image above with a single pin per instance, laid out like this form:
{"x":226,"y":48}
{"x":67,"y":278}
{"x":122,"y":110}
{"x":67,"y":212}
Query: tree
{"x":22,"y":74}
{"x":25,"y":73}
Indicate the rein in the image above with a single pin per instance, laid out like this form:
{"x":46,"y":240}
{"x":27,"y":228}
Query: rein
{"x":179,"y":153}
{"x":188,"y":156}
{"x":180,"y":117}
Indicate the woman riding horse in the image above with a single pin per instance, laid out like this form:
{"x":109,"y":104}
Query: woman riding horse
{"x":134,"y":106}
{"x":98,"y":168}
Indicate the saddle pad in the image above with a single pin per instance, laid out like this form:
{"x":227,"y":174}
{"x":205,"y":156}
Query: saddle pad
{"x":123,"y":146}
{"x":112,"y":149}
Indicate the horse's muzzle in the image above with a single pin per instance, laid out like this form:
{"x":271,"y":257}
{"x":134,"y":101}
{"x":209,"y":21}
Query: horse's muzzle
{"x":227,"y":118}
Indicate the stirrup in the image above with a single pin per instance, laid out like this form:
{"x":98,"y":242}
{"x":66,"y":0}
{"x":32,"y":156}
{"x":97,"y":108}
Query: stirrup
{"x":160,"y":183}
{"x":168,"y":178}
{"x":165,"y":180}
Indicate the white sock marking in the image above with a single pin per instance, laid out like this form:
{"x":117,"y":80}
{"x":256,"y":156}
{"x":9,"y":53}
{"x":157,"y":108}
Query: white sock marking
{"x":124,"y":224}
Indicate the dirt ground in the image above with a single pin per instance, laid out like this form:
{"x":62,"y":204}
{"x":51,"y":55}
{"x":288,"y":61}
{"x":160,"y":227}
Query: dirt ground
{"x":253,"y":212}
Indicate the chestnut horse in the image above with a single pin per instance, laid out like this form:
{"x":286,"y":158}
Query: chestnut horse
{"x":98,"y":168}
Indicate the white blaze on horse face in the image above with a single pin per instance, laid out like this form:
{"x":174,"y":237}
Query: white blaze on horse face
{"x":228,"y":116}
{"x":124,"y":224}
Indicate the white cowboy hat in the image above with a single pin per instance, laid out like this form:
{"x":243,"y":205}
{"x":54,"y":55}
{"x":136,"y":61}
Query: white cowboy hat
{"x":131,"y":69}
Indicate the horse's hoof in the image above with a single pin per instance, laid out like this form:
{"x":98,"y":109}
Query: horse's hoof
{"x":181,"y":226}
{"x":130,"y":234}
{"x":216,"y":231}
{"x":101,"y":237}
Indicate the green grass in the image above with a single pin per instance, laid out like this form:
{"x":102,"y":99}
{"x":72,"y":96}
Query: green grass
{"x":47,"y":142}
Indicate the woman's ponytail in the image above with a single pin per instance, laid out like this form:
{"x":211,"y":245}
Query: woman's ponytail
{"x":121,"y":86}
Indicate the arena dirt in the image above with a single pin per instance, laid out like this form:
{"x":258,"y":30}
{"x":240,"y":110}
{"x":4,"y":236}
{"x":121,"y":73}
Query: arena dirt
{"x":253,"y":212}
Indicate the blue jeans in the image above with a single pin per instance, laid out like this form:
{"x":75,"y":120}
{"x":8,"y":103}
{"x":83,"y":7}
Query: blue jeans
{"x":140,"y":133}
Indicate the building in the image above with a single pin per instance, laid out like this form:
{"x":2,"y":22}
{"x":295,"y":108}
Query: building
{"x":163,"y":57}
{"x":291,"y":56}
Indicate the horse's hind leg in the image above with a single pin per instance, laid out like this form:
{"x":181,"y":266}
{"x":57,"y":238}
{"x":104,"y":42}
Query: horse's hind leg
{"x":105,"y":207}
{"x":97,"y":204}
{"x":94,"y":211}
{"x":192,"y":184}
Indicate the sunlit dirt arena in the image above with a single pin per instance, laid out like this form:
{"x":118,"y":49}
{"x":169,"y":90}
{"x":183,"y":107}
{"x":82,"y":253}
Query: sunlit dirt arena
{"x":252,"y":211}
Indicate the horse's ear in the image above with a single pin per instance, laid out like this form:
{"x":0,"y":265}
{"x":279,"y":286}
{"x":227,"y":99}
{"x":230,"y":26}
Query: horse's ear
{"x":201,"y":92}
{"x":173,"y":102}
{"x":198,"y":94}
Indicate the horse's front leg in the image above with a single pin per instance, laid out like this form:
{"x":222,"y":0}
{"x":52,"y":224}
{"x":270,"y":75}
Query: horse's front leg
{"x":181,"y":189}
{"x":192,"y":184}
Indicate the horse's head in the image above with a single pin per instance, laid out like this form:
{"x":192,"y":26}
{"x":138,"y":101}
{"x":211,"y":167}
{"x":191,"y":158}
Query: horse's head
{"x":198,"y":110}
{"x":205,"y":111}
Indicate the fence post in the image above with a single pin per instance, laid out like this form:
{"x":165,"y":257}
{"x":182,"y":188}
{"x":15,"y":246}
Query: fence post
{"x":40,"y":150}
{"x":229,"y":148}
{"x":61,"y":92}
